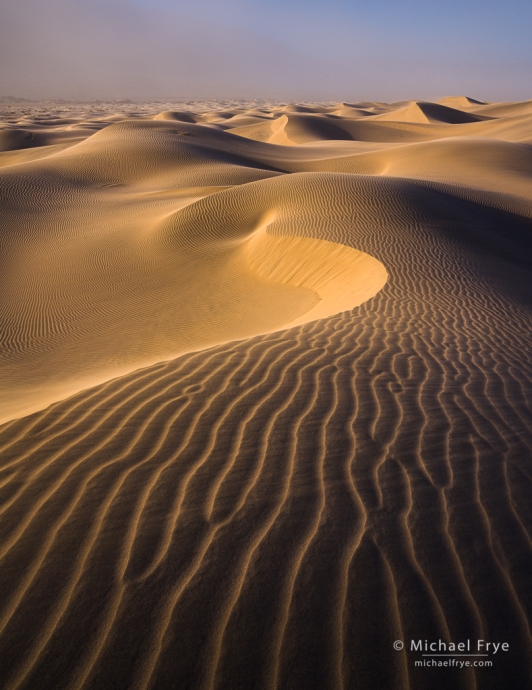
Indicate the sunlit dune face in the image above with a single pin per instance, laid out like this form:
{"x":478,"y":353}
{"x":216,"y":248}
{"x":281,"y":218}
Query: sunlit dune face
{"x":151,"y":239}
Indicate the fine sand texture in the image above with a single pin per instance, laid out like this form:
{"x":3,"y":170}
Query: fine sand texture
{"x":265,"y":395}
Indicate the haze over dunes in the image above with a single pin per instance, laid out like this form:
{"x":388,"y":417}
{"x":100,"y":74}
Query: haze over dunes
{"x":145,"y":49}
{"x":266,"y":393}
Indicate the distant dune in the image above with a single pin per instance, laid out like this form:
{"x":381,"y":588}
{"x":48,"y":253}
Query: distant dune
{"x":266,"y":394}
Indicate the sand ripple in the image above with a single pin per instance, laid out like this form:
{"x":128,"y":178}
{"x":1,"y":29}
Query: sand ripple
{"x":275,"y":509}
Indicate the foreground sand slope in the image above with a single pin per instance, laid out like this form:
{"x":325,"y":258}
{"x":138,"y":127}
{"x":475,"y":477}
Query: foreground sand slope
{"x":340,"y":457}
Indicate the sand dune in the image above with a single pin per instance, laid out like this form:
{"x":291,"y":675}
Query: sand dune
{"x":266,"y":394}
{"x":461,"y":102}
{"x":419,"y":111}
{"x":505,"y":110}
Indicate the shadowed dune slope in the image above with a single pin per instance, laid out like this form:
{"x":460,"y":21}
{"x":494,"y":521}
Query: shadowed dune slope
{"x":300,"y":427}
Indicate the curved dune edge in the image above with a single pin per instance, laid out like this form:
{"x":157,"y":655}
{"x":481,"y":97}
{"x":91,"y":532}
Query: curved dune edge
{"x":254,"y":285}
{"x":341,"y":277}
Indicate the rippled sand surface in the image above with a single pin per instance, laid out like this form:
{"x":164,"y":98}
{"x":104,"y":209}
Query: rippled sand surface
{"x":266,"y":394}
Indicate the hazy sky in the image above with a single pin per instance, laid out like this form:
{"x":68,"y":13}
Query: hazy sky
{"x":290,"y":49}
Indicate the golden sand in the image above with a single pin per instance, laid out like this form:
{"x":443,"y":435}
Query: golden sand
{"x":266,"y":393}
